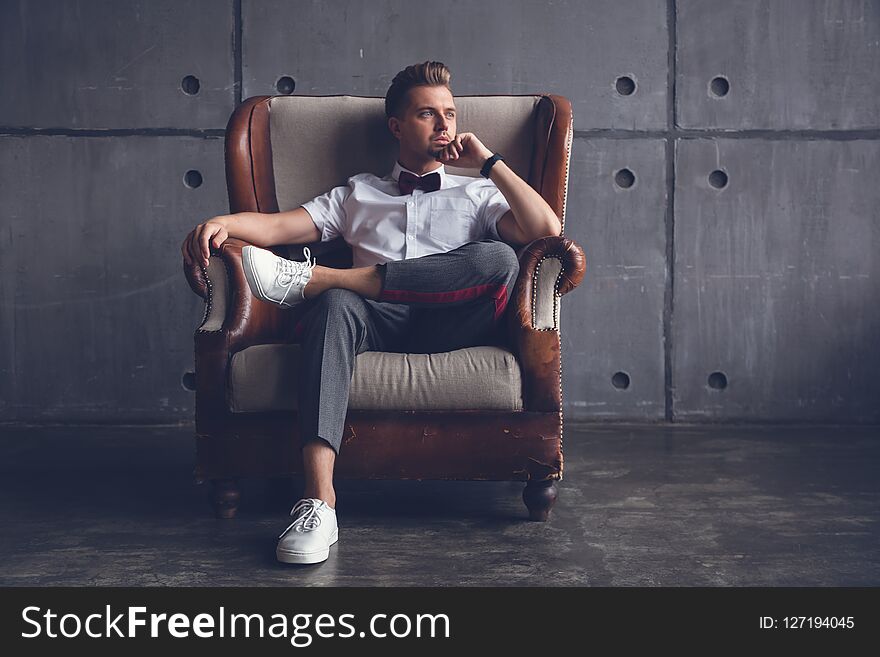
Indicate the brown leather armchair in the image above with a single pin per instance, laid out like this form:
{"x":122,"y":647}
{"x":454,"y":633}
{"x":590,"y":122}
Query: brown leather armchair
{"x":492,"y":412}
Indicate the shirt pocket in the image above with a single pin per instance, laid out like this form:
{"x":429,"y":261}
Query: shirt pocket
{"x":452,"y":221}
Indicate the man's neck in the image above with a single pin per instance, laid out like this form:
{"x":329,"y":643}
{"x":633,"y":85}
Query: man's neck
{"x":420,"y":168}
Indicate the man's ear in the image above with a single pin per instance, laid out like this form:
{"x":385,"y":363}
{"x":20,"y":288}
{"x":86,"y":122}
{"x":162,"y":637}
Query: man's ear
{"x":394,"y":126}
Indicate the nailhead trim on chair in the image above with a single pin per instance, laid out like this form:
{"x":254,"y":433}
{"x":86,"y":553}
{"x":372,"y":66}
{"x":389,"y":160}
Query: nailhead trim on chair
{"x":209,"y":301}
{"x":210,"y":288}
{"x":556,"y":328}
{"x":557,"y":320}
{"x":568,"y":141}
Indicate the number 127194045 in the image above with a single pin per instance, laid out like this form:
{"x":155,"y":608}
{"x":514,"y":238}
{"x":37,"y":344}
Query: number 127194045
{"x":808,"y":622}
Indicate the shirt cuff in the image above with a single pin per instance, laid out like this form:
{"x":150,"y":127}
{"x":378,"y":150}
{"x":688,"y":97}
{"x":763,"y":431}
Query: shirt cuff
{"x":314,"y":212}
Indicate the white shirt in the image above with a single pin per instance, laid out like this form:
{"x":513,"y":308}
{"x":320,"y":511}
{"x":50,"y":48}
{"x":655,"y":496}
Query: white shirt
{"x":381,"y":225}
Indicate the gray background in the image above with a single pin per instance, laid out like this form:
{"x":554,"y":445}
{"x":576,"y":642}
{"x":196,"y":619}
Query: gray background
{"x":771,"y":280}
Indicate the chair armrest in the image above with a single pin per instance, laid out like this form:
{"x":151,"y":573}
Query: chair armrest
{"x":234,"y":320}
{"x":548,"y":268}
{"x":231,"y":308}
{"x":197,"y":277}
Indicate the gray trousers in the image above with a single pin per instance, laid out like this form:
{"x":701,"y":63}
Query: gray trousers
{"x":435,"y":303}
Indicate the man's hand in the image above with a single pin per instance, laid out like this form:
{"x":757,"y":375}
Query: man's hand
{"x":196,"y":246}
{"x":465,"y":151}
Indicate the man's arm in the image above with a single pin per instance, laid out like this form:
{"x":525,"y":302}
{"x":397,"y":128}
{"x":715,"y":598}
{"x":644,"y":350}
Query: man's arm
{"x":529,"y":217}
{"x":291,"y":227}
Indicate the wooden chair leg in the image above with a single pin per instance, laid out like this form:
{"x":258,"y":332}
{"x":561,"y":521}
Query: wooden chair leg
{"x":540,"y":496}
{"x":225,"y":496}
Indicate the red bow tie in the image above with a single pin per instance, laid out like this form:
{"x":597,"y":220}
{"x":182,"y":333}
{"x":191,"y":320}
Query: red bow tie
{"x":410,"y":181}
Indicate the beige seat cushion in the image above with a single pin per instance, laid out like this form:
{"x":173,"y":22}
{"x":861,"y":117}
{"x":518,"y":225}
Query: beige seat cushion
{"x":264,"y":378}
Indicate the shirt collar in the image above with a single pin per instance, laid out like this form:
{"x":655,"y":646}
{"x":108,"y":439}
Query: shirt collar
{"x":395,"y":172}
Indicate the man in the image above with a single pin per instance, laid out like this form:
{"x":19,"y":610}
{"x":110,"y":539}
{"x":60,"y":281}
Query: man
{"x":433,"y":268}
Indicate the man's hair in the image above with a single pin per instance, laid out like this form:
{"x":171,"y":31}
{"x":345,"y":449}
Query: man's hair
{"x":417,"y":75}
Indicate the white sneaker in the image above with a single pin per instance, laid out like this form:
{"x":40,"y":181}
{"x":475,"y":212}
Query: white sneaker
{"x":276,"y":279}
{"x":309,"y":537}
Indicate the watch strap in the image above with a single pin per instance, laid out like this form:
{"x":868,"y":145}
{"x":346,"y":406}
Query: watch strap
{"x":490,"y":163}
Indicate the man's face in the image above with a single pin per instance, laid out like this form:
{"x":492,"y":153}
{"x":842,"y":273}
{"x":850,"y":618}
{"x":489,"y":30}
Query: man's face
{"x":428,"y":122}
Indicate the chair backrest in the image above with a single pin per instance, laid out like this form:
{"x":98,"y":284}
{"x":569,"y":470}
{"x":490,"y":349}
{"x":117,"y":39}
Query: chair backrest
{"x":284,"y":150}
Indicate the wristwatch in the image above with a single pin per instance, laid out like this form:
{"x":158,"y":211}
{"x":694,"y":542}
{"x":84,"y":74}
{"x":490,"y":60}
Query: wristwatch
{"x":489,"y":164}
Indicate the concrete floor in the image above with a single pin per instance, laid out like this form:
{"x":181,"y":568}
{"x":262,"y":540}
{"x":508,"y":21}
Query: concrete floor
{"x":639,"y":505}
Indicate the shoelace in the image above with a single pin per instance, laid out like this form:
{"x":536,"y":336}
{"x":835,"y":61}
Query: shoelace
{"x":306,"y":518}
{"x":290,"y":272}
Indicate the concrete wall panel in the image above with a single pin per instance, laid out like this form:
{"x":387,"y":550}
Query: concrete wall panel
{"x":97,"y":318}
{"x":613,"y":322}
{"x":102,"y":64}
{"x":773,"y":280}
{"x":789,"y":64}
{"x":776,"y":280}
{"x":577,"y":49}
